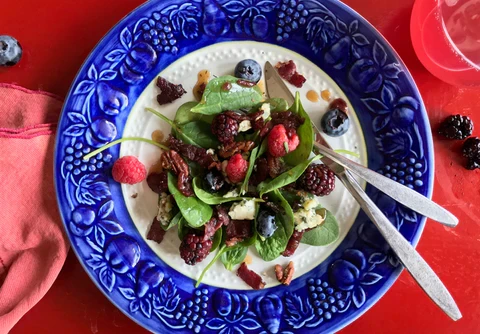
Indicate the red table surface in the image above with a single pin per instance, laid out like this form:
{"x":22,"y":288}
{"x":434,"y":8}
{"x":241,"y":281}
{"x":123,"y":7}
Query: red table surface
{"x":58,"y":35}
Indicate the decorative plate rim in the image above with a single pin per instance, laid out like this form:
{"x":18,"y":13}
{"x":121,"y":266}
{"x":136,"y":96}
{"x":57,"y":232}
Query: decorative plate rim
{"x":422,"y":115}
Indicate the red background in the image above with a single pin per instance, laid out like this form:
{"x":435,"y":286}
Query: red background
{"x":57,"y":35}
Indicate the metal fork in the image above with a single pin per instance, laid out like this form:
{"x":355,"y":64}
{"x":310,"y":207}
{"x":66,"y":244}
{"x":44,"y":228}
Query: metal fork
{"x":408,"y":256}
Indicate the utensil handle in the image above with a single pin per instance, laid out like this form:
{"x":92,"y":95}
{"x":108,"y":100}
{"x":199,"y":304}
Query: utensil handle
{"x":408,"y":256}
{"x":402,"y":194}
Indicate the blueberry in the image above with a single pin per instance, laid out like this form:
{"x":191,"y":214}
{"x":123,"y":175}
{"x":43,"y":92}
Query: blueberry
{"x":266,"y":225}
{"x":213,"y":181}
{"x":248,"y":69}
{"x":335,"y":123}
{"x":10,"y":51}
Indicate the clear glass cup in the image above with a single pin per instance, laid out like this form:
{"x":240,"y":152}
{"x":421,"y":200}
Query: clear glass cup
{"x":446,"y":38}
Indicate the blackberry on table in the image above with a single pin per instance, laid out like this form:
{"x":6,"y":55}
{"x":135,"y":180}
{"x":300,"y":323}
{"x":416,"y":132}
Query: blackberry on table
{"x":75,"y":164}
{"x":325,"y":299}
{"x":192,"y":313}
{"x":225,"y":128}
{"x":290,"y":17}
{"x":471,"y":151}
{"x":194,"y":249}
{"x":408,"y":172}
{"x":158,"y":31}
{"x":456,"y":127}
{"x":471,"y":148}
{"x":318,"y":179}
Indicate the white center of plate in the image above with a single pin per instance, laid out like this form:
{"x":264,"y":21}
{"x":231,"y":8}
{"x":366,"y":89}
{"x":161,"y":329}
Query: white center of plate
{"x":220,"y":59}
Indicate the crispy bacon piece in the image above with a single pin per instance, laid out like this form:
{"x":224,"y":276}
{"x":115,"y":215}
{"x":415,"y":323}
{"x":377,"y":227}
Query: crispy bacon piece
{"x":289,"y":119}
{"x":250,"y":277}
{"x":158,"y":182}
{"x":169,"y":92}
{"x":219,"y":218}
{"x":237,"y":231}
{"x":156,"y":232}
{"x":293,"y":243}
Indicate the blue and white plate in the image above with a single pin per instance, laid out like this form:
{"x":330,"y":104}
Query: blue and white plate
{"x":335,"y":49}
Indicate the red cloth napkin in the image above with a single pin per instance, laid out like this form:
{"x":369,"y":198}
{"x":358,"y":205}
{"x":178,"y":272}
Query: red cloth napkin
{"x":33,"y":245}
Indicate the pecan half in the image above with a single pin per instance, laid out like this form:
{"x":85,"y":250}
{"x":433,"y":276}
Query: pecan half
{"x":228,"y":150}
{"x":171,"y":160}
{"x":285,"y":276}
{"x":191,"y":152}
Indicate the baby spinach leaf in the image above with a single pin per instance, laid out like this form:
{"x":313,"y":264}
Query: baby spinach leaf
{"x":182,"y":228}
{"x":200,"y":133}
{"x":217,"y":239}
{"x":195,"y":212}
{"x":288,"y":219}
{"x":285,"y":178}
{"x":215,"y":99}
{"x":324,"y":234}
{"x":276,"y":104}
{"x":234,"y":256}
{"x":175,"y":220}
{"x":256,"y":152}
{"x":196,"y":133}
{"x":184,"y":114}
{"x":271,"y":248}
{"x":211,"y":199}
{"x":305,"y":134}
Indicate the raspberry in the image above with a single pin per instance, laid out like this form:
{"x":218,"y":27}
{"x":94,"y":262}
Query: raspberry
{"x":225,"y":128}
{"x":456,"y":127}
{"x":129,"y":170}
{"x":277,"y":138}
{"x":194,"y":249}
{"x":318,"y":180}
{"x":236,"y":168}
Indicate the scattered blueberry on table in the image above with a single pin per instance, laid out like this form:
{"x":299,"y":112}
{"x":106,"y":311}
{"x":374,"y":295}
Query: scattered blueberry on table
{"x":10,"y":51}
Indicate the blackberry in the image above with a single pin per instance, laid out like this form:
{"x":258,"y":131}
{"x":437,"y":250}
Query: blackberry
{"x":290,"y":17}
{"x":75,"y":164}
{"x":225,"y":128}
{"x":318,"y":179}
{"x":325,"y":299}
{"x":158,"y":32}
{"x":192,"y":313}
{"x":471,"y":148}
{"x":408,"y":172}
{"x":471,"y":151}
{"x":456,"y":127}
{"x":194,"y":249}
